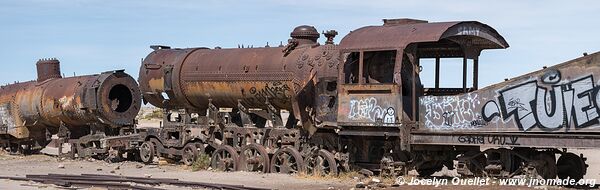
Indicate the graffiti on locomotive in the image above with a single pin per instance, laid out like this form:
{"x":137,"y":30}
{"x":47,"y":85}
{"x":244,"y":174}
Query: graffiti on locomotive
{"x":549,"y":102}
{"x":271,"y":91}
{"x":369,"y":109}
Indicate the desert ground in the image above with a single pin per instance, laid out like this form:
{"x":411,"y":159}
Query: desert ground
{"x":19,"y":166}
{"x":42,"y":164}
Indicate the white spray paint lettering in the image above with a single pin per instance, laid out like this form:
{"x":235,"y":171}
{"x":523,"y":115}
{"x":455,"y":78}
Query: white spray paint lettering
{"x":452,"y":112}
{"x":369,"y":109}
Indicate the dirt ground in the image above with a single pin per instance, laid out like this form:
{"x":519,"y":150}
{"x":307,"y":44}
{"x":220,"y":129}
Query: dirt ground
{"x":42,"y":164}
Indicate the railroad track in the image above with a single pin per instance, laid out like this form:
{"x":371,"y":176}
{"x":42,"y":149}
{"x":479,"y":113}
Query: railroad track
{"x":121,"y":182}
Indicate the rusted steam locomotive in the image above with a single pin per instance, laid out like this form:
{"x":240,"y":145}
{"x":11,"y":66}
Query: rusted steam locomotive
{"x":325,"y":108}
{"x":361,"y":104}
{"x":82,"y":108}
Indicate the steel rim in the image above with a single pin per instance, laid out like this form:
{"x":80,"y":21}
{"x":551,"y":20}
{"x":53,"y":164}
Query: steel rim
{"x":571,"y":166}
{"x":322,"y":163}
{"x":224,"y":159}
{"x":287,"y":161}
{"x":146,"y":152}
{"x":188,"y":156}
{"x":254,"y":158}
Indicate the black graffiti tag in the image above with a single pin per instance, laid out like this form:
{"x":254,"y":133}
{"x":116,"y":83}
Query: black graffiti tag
{"x":488,"y":139}
{"x":277,"y":91}
{"x":471,"y":139}
{"x":448,"y":118}
{"x":503,"y":140}
{"x":516,"y":104}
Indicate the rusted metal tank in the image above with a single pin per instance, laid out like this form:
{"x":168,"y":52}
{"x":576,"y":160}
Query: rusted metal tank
{"x":35,"y":109}
{"x":189,"y":78}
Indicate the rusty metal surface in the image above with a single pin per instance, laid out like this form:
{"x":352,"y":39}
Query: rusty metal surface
{"x":401,"y":34}
{"x":28,"y":109}
{"x":48,"y":69}
{"x":252,"y":75}
{"x":559,"y":99}
{"x":266,"y":78}
{"x":226,"y":75}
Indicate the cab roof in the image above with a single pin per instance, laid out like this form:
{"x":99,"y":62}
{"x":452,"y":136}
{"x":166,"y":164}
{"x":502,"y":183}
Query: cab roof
{"x":399,"y":33}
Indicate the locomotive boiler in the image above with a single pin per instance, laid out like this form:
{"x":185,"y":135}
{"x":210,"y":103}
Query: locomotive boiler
{"x":269,"y":78}
{"x":258,"y":100}
{"x":31,"y":112}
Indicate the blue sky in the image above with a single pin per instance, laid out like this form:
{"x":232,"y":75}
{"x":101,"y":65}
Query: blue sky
{"x":93,"y":36}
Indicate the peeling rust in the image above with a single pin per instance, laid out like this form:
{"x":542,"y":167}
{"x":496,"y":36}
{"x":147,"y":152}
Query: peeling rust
{"x":31,"y":109}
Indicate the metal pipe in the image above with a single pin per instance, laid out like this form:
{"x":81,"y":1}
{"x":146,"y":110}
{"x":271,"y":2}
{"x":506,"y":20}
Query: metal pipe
{"x":437,"y":72}
{"x":414,"y":88}
{"x":361,"y":57}
{"x":475,"y":73}
{"x":464,"y":74}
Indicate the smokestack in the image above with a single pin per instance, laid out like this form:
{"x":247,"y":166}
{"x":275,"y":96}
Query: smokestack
{"x":48,"y":69}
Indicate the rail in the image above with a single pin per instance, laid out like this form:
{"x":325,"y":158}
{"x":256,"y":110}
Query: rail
{"x":114,"y":181}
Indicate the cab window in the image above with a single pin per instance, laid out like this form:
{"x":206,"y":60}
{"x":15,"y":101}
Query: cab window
{"x":377,"y":67}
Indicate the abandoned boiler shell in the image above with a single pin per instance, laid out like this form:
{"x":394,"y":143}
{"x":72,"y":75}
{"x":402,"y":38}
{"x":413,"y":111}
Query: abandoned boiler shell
{"x":30,"y":110}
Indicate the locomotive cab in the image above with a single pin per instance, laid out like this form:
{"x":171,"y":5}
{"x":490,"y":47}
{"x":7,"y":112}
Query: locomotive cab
{"x":380,"y":84}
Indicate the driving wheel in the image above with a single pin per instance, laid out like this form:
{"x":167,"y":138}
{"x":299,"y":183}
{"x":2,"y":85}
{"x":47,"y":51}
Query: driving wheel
{"x":321,"y":163}
{"x":225,"y":158}
{"x":287,"y":160}
{"x":147,"y":152}
{"x":254,"y":158}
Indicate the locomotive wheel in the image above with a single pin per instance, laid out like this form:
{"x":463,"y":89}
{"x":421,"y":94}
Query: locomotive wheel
{"x":572,"y":166}
{"x":190,"y":153}
{"x":287,"y":160}
{"x":147,"y":152}
{"x":254,"y":158}
{"x":427,"y":172}
{"x":477,"y":164}
{"x":133,"y":156}
{"x":321,"y":163}
{"x":546,"y":165}
{"x":225,"y":158}
{"x":428,"y":168}
{"x":14,"y":149}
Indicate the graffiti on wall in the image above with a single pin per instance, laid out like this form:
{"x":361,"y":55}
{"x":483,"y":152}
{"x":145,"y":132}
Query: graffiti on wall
{"x":548,"y":103}
{"x":488,"y":139}
{"x":369,"y":109}
{"x":452,"y":112}
{"x":528,"y":105}
{"x":7,"y":122}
